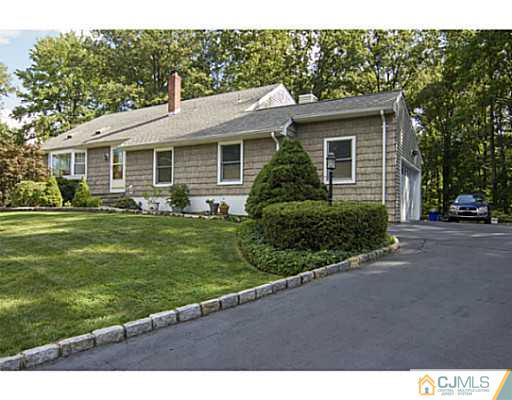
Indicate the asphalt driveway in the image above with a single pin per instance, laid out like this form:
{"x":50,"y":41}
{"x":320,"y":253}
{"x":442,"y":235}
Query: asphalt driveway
{"x":445,"y":301}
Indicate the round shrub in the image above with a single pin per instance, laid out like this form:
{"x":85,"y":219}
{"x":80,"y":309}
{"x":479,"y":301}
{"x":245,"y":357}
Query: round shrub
{"x":314,"y":225}
{"x":37,"y":194}
{"x":289,"y":176}
{"x":126,"y":203}
{"x":179,"y":197}
{"x":28,"y":194}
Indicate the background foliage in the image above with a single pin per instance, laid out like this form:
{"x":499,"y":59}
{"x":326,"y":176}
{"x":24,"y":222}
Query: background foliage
{"x":18,"y":163}
{"x":458,"y":84}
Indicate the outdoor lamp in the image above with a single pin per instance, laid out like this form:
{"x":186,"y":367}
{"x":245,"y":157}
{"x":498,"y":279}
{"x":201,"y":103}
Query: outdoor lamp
{"x":331,"y":161}
{"x":331,"y":166}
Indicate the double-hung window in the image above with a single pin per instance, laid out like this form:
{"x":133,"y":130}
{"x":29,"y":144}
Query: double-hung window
{"x":61,"y":164}
{"x":70,"y":164}
{"x":344,"y":149}
{"x":79,"y":164}
{"x":230,"y":163}
{"x":163,"y":165}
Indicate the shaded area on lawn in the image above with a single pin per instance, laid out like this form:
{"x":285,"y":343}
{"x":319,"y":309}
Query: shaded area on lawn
{"x":64,"y":274}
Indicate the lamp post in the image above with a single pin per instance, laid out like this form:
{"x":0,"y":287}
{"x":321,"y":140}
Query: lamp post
{"x":331,"y":166}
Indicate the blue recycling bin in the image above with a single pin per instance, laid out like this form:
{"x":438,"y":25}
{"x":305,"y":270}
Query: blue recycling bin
{"x":434,"y":216}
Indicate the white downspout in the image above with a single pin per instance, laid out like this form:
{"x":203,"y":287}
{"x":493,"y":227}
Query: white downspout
{"x":273,"y":135}
{"x":383,"y":117}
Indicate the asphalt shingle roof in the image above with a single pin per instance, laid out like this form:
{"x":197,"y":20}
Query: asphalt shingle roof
{"x":206,"y":118}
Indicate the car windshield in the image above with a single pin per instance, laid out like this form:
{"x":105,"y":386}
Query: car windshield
{"x":468,"y":198}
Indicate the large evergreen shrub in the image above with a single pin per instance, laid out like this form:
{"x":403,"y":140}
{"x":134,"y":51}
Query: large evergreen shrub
{"x":314,"y":225}
{"x":289,"y":176}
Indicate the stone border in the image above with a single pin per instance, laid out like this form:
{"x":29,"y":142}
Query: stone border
{"x":118,"y":333}
{"x":114,"y":210}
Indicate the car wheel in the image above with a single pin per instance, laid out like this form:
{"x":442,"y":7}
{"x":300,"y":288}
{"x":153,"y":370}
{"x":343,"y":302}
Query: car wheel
{"x":453,"y":219}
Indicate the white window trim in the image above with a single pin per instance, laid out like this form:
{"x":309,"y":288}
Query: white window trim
{"x":219,"y":166}
{"x":353,"y":154}
{"x":72,"y":167}
{"x":117,"y":190}
{"x":158,"y":150}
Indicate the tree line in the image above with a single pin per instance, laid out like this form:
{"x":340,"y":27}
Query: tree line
{"x":457,"y":83}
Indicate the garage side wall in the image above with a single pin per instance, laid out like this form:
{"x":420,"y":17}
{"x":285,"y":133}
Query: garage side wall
{"x":409,"y":163}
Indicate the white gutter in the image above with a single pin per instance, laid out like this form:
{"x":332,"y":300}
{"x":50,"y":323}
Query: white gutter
{"x":341,"y":114}
{"x":383,"y":156}
{"x":273,"y":135}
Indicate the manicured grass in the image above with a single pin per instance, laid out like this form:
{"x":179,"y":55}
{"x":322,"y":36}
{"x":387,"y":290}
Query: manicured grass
{"x":64,"y":274}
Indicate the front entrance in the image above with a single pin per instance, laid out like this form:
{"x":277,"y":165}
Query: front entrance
{"x":117,"y":170}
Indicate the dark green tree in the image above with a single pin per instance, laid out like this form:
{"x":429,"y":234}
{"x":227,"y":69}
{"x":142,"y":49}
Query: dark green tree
{"x":289,"y":176}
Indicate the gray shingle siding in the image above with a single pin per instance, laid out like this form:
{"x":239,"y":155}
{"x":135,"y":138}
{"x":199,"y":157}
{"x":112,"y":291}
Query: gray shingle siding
{"x":98,"y":170}
{"x":196,"y":166}
{"x":368,"y":133}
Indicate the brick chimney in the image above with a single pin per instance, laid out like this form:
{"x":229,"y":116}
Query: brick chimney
{"x":174,"y":89}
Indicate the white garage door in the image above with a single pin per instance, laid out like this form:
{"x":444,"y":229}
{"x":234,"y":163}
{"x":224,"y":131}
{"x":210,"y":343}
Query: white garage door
{"x":410,"y":186}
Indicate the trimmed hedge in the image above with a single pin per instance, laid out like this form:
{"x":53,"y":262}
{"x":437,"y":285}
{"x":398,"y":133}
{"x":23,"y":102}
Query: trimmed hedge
{"x":282,"y":262}
{"x":314,"y":225}
{"x":289,"y":176}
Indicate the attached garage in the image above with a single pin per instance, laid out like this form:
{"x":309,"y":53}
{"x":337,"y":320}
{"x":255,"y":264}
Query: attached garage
{"x":410,"y":192}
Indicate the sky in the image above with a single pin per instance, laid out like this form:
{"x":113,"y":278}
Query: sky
{"x":15,"y":48}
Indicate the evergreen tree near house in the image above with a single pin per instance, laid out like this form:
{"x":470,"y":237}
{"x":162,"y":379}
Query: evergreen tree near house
{"x":289,"y":176}
{"x":53,"y":197}
{"x":83,"y":196}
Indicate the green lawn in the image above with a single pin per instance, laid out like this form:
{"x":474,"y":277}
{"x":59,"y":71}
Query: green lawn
{"x":64,"y":274}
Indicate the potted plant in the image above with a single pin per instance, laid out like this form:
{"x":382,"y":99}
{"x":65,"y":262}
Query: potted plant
{"x":224,"y":208}
{"x":152,"y":199}
{"x":214,"y":207}
{"x":178,"y":197}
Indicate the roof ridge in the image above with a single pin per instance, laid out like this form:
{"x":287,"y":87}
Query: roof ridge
{"x":187,"y":100}
{"x":329,"y":100}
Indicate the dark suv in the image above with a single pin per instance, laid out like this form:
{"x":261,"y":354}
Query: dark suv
{"x":471,"y":207}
